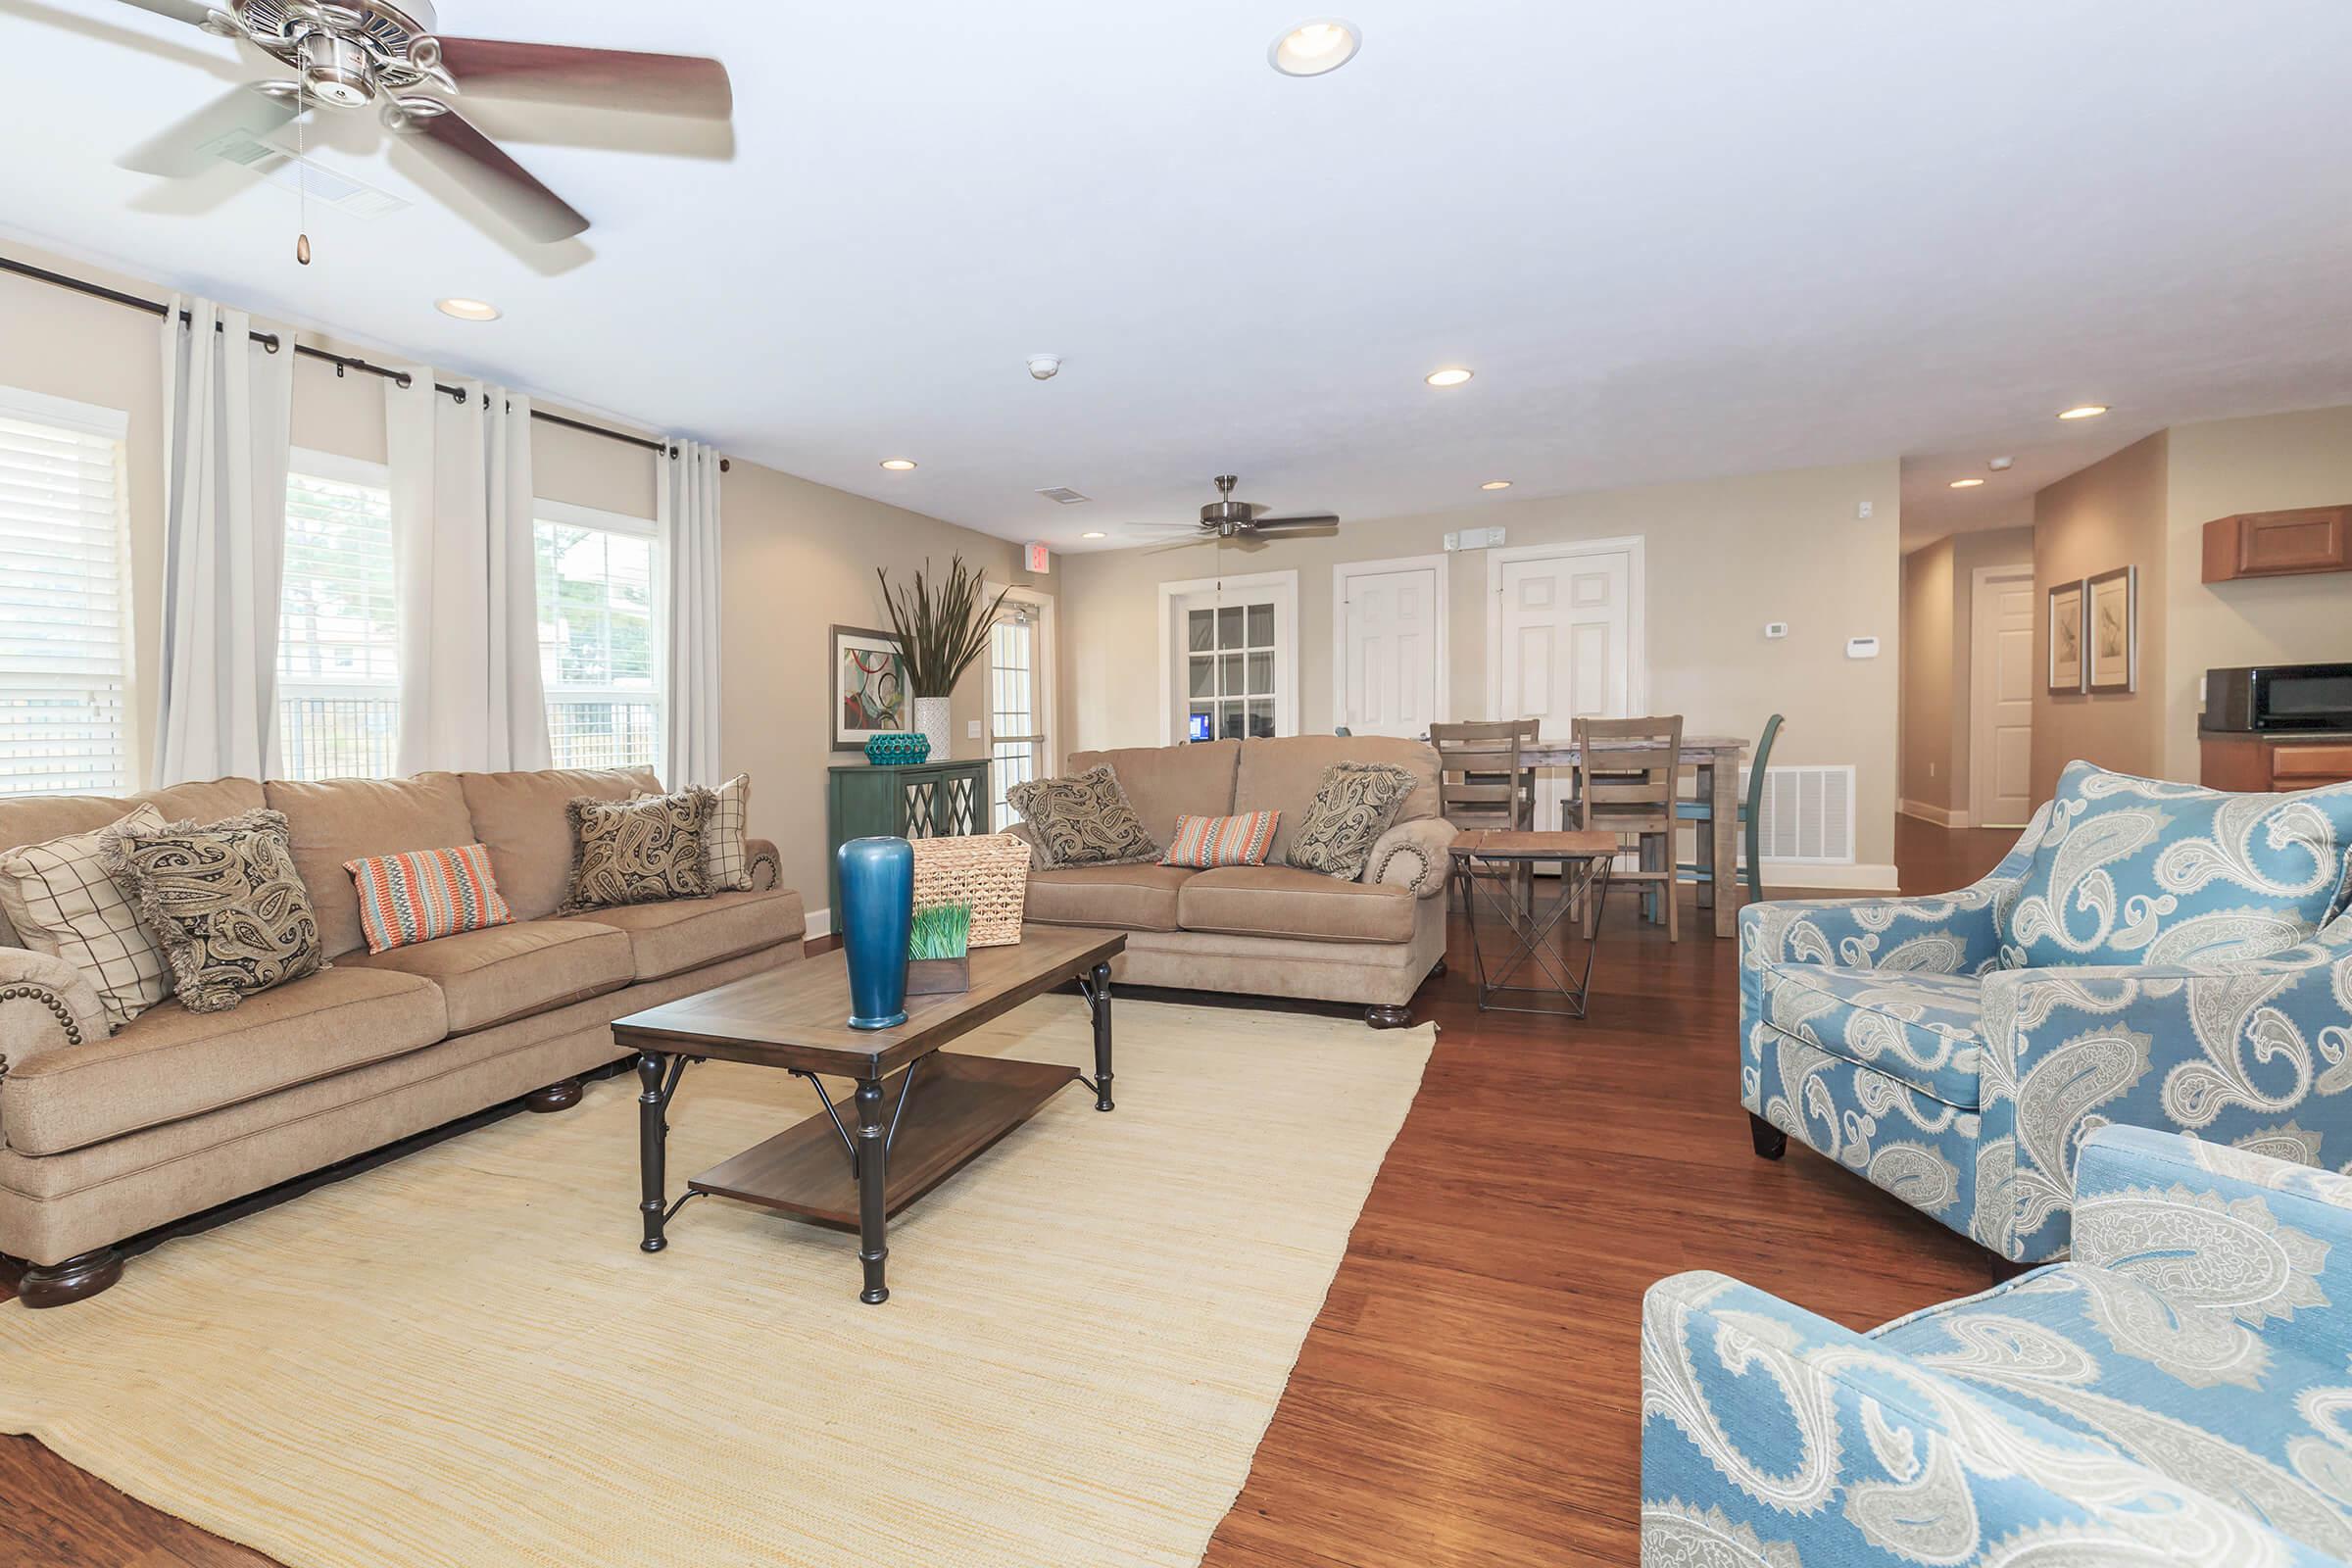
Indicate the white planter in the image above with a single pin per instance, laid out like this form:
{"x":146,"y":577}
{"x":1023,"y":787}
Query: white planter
{"x":931,"y":719}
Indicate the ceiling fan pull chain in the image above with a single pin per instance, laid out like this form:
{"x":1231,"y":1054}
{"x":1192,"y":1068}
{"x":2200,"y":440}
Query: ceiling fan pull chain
{"x":301,"y":185}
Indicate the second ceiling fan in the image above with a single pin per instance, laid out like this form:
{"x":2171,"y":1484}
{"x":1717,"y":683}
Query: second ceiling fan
{"x":1247,"y":522}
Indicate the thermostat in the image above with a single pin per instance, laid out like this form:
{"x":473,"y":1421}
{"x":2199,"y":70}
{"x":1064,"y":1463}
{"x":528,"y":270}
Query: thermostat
{"x":1776,"y":630}
{"x":1861,"y":647}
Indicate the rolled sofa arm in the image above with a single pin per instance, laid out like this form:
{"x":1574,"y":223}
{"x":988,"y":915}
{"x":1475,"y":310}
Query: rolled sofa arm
{"x":1413,"y":855}
{"x":767,"y":865}
{"x":45,"y":1004}
{"x":1037,"y":851}
{"x":2184,"y":1214}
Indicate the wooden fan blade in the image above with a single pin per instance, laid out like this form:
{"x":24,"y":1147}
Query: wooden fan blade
{"x":607,"y":78}
{"x":188,"y":11}
{"x":476,"y":161}
{"x":183,"y":149}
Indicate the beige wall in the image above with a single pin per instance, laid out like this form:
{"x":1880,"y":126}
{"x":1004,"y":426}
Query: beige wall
{"x":799,"y":557}
{"x":1724,"y":557}
{"x":2109,"y":515}
{"x":2265,"y":463}
{"x":1939,"y":608}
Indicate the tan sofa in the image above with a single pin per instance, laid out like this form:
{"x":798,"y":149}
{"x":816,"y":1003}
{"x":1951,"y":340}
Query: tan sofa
{"x":1271,"y":930}
{"x":104,"y":1138}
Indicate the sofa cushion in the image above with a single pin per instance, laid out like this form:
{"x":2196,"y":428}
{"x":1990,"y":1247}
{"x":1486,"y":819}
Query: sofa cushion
{"x":224,"y":901}
{"x":667,"y":939}
{"x":1281,"y":901}
{"x":35,"y":819}
{"x":1163,"y":782}
{"x":511,"y":971}
{"x":1917,"y":1028}
{"x":522,"y":817}
{"x":334,"y":820}
{"x":1128,"y":898}
{"x":2142,"y":871}
{"x":64,"y":904}
{"x":169,"y":1062}
{"x":1283,"y":776}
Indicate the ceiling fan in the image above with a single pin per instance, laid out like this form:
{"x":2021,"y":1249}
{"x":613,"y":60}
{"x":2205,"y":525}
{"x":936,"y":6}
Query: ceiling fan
{"x":1245,"y":522}
{"x":350,"y":54}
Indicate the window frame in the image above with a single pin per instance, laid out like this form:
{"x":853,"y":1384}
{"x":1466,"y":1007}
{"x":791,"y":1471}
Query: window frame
{"x":573,"y":514}
{"x":1278,"y":589}
{"x":113,"y":425}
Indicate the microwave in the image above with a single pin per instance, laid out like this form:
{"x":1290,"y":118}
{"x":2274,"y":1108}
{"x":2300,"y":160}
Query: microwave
{"x":2265,"y":698}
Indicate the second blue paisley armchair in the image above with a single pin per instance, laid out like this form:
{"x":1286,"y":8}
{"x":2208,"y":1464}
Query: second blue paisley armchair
{"x":2150,"y":954}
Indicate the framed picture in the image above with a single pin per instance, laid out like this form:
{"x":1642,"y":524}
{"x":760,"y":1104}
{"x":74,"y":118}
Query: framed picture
{"x":2114,"y":630}
{"x":2067,"y":666}
{"x":869,"y":686}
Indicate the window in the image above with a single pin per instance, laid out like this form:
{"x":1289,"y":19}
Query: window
{"x":338,"y":631}
{"x":600,"y":653}
{"x":1230,"y":657}
{"x":1016,"y":729}
{"x":64,"y":604}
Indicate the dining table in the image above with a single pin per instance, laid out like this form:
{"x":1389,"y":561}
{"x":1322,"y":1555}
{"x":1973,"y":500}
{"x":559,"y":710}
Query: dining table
{"x":1715,"y":760}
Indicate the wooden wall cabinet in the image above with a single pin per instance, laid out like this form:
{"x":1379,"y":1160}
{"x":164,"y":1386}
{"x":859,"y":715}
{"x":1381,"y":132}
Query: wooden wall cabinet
{"x":2255,"y":763}
{"x":2279,"y":544}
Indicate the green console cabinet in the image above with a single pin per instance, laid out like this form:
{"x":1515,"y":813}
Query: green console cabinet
{"x":908,"y":801}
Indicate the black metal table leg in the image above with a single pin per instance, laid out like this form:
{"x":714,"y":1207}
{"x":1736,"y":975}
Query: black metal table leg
{"x":653,"y":1138}
{"x":1098,"y":998}
{"x":873,"y":1157}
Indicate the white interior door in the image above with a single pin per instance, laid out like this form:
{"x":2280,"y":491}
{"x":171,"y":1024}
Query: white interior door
{"x":1389,"y":626}
{"x":2001,"y":700}
{"x":1567,"y":646}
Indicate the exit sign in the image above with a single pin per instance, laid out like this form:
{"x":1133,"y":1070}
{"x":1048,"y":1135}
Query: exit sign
{"x":1040,"y":560}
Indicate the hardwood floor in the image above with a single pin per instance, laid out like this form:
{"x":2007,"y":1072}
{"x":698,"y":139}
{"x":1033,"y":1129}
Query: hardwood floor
{"x":1469,"y":1394}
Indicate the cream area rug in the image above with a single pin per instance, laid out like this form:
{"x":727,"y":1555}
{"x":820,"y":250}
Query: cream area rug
{"x":461,"y":1359}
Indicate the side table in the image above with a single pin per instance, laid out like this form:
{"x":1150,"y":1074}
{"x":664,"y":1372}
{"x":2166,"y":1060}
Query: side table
{"x":1583,"y":858}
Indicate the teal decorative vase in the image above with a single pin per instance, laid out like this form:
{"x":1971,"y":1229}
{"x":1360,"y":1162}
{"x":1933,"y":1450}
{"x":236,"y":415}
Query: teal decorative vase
{"x":897,"y":746}
{"x":877,"y":912}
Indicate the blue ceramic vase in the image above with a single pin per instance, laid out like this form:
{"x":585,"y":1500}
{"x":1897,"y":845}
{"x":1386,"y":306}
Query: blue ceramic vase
{"x":877,"y":912}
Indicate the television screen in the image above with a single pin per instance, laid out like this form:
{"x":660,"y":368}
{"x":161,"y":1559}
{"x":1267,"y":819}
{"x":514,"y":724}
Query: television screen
{"x":1197,"y":727}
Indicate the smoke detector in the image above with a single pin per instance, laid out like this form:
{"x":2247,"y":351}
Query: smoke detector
{"x":2000,"y":464}
{"x":1044,"y":366}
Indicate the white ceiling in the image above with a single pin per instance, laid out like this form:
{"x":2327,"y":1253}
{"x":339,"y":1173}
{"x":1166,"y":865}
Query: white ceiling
{"x":1674,"y":242}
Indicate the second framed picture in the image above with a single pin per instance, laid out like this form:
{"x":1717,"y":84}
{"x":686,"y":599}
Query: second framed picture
{"x":2112,"y":635}
{"x":2067,"y":664}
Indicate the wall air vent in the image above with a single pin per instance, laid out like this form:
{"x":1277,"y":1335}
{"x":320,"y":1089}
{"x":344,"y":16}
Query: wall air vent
{"x":1062,"y":495}
{"x":1808,"y":815}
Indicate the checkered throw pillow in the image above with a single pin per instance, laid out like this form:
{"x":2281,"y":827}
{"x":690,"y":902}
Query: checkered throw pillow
{"x":1206,"y":842}
{"x":726,"y":859}
{"x":63,"y":903}
{"x":411,"y":898}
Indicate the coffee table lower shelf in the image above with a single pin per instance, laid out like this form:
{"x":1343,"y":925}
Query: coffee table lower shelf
{"x":961,"y":1107}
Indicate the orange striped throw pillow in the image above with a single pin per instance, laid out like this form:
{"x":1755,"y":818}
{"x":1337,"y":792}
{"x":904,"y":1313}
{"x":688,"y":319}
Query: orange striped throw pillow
{"x":411,"y":898}
{"x":1205,"y":842}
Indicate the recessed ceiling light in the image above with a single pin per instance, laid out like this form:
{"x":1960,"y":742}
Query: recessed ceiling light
{"x":2085,"y":411}
{"x":1093,"y":533}
{"x":465,"y":310}
{"x":898,"y":464}
{"x":1966,"y":484}
{"x":1495,"y":484}
{"x":1453,"y":375}
{"x":1315,"y":48}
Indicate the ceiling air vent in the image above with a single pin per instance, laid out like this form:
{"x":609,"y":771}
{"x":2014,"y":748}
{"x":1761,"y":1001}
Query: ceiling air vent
{"x":319,"y":184}
{"x":1062,"y":495}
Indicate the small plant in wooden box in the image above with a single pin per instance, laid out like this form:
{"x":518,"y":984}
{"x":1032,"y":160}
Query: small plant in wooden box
{"x":939,"y":950}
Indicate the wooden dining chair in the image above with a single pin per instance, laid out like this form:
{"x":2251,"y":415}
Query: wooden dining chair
{"x":1752,"y":818}
{"x":1625,"y":774}
{"x":1486,"y":781}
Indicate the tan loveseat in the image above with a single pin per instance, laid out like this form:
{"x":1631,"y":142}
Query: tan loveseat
{"x":102,"y":1138}
{"x":1266,"y":930}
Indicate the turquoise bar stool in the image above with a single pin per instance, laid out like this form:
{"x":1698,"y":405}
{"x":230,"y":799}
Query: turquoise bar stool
{"x":1751,"y":811}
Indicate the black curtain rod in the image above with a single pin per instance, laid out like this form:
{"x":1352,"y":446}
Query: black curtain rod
{"x":341,"y":362}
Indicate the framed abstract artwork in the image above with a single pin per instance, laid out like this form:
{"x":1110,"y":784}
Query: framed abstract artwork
{"x":2113,"y":631}
{"x":869,"y":686}
{"x":2067,"y":666}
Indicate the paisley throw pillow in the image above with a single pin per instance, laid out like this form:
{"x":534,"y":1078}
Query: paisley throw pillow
{"x":1354,"y":808}
{"x":2142,"y":871}
{"x":224,"y":899}
{"x":1084,"y":819}
{"x":644,"y":850}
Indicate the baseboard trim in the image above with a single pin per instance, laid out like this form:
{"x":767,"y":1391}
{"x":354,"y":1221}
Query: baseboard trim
{"x":1806,"y":874}
{"x":817,"y":923}
{"x":1940,"y":815}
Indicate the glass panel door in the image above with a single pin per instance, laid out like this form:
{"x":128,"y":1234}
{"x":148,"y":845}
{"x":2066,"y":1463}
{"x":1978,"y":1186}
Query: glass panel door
{"x":1016,"y":731}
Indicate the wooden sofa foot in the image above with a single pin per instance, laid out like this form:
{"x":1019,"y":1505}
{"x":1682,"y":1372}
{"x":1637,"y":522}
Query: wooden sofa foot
{"x":1771,"y":1142}
{"x":77,"y":1279}
{"x":1387,"y":1017}
{"x":555,"y":1097}
{"x":1437,"y":969}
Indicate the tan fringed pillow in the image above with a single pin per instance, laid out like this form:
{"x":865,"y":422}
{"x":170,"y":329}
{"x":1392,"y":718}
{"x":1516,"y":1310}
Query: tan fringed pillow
{"x":1084,"y":819}
{"x":225,"y":902}
{"x":1354,"y":808}
{"x":645,"y":851}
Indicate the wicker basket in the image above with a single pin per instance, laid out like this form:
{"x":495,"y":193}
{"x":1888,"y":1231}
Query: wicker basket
{"x":990,"y":872}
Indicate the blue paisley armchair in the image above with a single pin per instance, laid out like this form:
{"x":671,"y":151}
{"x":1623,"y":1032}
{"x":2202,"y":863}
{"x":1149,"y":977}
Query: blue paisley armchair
{"x":2174,"y":1397}
{"x":2152,"y":953}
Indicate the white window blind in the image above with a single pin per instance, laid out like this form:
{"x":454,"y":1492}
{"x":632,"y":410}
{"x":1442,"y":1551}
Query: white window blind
{"x":64,"y":599}
{"x":599,"y":649}
{"x":338,"y":631}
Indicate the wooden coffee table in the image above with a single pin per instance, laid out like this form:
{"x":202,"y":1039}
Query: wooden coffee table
{"x":921,"y":1114}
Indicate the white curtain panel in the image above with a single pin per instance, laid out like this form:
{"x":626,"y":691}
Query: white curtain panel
{"x":688,"y":485}
{"x":228,"y":410}
{"x":471,"y":698}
